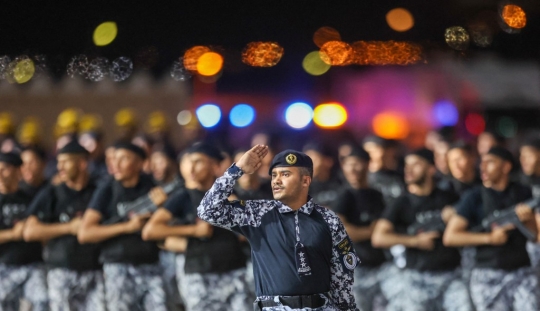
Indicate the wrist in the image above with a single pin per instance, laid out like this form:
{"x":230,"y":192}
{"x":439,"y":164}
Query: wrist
{"x":234,"y":171}
{"x":488,"y":239}
{"x":413,"y":242}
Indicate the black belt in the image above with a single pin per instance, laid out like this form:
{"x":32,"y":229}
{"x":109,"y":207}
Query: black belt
{"x":293,"y":302}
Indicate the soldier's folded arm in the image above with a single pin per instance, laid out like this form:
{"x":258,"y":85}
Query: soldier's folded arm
{"x":357,"y":233}
{"x":384,"y":236}
{"x":158,"y":227}
{"x":456,"y":234}
{"x":7,"y":235}
{"x":35,"y":230}
{"x":91,"y":231}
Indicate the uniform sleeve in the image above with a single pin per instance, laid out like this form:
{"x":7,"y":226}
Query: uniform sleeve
{"x":342,"y":204}
{"x":179,"y":204}
{"x":41,"y":205}
{"x":392,"y":213}
{"x":469,"y":206}
{"x":101,"y":198}
{"x":344,"y":260}
{"x":216,"y":209}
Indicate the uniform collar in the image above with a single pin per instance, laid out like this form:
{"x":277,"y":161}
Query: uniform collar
{"x":306,"y":208}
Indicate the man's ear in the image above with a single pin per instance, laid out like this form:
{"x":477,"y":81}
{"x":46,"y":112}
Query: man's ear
{"x":507,"y":167}
{"x":306,"y":181}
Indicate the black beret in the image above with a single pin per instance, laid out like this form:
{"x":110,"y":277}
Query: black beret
{"x":424,"y":153}
{"x":460,"y":144}
{"x":290,"y":158}
{"x":11,"y":158}
{"x":360,"y":153}
{"x":206,"y":149}
{"x":166,"y":149}
{"x":40,"y":152}
{"x":73,"y":147}
{"x":502,"y":153}
{"x":532,"y":142}
{"x":131,"y":147}
{"x":317,"y":147}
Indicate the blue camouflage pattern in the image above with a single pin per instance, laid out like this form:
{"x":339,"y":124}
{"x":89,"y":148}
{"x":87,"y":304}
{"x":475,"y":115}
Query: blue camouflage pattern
{"x":73,"y":290}
{"x":23,"y":285}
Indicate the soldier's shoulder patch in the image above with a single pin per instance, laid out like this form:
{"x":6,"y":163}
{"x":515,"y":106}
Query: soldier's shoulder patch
{"x":347,"y":256}
{"x":344,"y":246}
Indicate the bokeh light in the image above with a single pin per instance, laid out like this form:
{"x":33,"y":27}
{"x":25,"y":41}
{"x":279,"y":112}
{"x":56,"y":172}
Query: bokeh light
{"x":179,"y":72}
{"x":400,"y":19}
{"x":330,"y":115}
{"x":105,"y":33}
{"x":262,"y":54}
{"x":314,"y":65}
{"x":191,"y":56}
{"x":24,"y":71}
{"x":242,"y":115}
{"x":209,"y":64}
{"x":184,"y":117}
{"x":514,"y":16}
{"x":325,"y":34}
{"x":445,"y":113}
{"x":457,"y":38}
{"x":475,"y":123}
{"x":209,"y":115}
{"x":298,"y":115}
{"x":121,"y":68}
{"x":391,"y":125}
{"x":337,"y":53}
{"x":507,"y":127}
{"x":386,"y":53}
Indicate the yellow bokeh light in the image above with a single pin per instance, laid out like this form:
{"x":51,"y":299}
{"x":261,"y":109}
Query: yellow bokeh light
{"x":400,"y":19}
{"x":192,"y":55}
{"x":514,"y":16}
{"x":314,"y":65}
{"x":105,"y":33}
{"x":209,"y":64}
{"x":337,"y":53}
{"x":262,"y":54}
{"x":24,"y":71}
{"x":329,"y":115}
{"x":391,"y":125}
{"x":325,"y":34}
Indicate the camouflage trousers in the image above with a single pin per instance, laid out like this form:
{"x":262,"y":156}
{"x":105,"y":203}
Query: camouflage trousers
{"x":23,"y":288}
{"x":216,"y":291}
{"x":76,"y":291}
{"x":498,"y":290}
{"x":534,"y":253}
{"x":180,"y":263}
{"x":129,"y":287}
{"x":367,"y":287}
{"x":167,"y":262}
{"x":411,"y":290}
{"x":328,"y":306}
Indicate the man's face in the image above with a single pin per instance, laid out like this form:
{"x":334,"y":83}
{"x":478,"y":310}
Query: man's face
{"x":159,"y":166}
{"x":32,"y":167}
{"x":492,"y":169}
{"x":203,"y":168}
{"x":416,"y":170}
{"x":69,"y":166}
{"x":485,"y":142}
{"x":287,"y":183}
{"x":9,"y":174}
{"x":460,"y":163}
{"x":126,"y":164}
{"x":530,"y":160}
{"x":440,"y":153}
{"x":354,"y":169}
{"x":376,"y":152}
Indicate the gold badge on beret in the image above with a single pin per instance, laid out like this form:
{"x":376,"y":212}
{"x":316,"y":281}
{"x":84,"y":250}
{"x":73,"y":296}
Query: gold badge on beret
{"x":291,"y":159}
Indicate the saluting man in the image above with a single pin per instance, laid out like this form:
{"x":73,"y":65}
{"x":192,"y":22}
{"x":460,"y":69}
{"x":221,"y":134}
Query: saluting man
{"x":302,"y":257}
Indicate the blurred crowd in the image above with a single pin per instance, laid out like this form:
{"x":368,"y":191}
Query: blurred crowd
{"x":89,"y":226}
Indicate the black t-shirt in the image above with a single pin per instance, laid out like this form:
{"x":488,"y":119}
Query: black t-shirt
{"x":60,"y":204}
{"x":32,"y":191}
{"x":126,"y":248}
{"x":533,"y":182}
{"x":458,"y":187}
{"x":222,"y":252}
{"x":361,"y":207}
{"x":14,"y":209}
{"x":480,"y":202}
{"x":324,"y":192}
{"x":405,"y":211}
{"x":389,"y":183}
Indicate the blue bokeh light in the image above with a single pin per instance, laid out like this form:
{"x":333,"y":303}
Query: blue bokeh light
{"x":209,"y":115}
{"x":445,"y":113}
{"x":242,"y":115}
{"x":298,"y":115}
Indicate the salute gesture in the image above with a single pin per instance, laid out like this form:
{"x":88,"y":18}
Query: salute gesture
{"x":251,"y":161}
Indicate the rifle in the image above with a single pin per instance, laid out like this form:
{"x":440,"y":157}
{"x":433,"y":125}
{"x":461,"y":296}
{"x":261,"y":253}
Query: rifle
{"x":428,"y":222}
{"x":140,"y":205}
{"x":508,"y":216}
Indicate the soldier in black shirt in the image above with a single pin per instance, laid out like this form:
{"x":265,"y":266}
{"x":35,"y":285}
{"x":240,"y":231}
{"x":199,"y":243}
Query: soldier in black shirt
{"x":132,"y":273}
{"x":359,"y":207}
{"x":324,"y":187}
{"x":502,"y":278}
{"x":215,"y":266}
{"x":32,"y":170}
{"x":430,"y":280}
{"x":22,"y":275}
{"x":75,"y":278}
{"x":463,"y":174}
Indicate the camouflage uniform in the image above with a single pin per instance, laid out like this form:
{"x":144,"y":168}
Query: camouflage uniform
{"x":411,"y":290}
{"x":72,"y":290}
{"x":180,"y":262}
{"x":167,"y":261}
{"x":23,"y":283}
{"x":129,"y":287}
{"x":501,"y":290}
{"x":367,"y":287}
{"x":216,"y":291}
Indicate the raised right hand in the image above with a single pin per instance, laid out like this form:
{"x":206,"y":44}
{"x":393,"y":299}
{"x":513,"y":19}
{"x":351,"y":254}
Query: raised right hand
{"x":137,"y":222}
{"x":425,"y":240}
{"x":251,"y":161}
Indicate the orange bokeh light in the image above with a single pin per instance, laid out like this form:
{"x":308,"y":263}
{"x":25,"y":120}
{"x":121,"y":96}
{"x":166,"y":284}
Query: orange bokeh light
{"x":192,"y":55}
{"x":391,"y":125}
{"x":386,"y":53}
{"x":400,"y":19}
{"x":514,"y":16}
{"x":262,"y":54}
{"x":337,"y":53}
{"x":325,"y":34}
{"x":209,"y":64}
